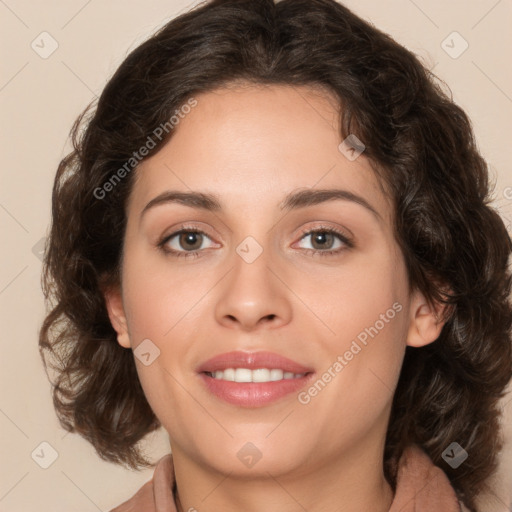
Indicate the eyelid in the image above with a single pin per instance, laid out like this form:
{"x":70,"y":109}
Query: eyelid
{"x":342,"y":231}
{"x":185,"y":227}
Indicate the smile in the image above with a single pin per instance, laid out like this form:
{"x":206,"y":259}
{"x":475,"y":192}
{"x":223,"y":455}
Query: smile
{"x":257,"y":375}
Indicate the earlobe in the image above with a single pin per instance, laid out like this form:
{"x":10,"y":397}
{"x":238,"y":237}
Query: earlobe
{"x":115,"y":308}
{"x":426,"y":323}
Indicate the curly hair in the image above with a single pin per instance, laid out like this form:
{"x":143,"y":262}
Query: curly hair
{"x":420,"y":143}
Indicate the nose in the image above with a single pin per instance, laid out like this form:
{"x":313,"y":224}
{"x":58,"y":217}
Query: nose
{"x":254,"y":295}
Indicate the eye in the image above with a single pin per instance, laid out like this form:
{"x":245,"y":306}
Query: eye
{"x":324,"y":241}
{"x":187,"y":242}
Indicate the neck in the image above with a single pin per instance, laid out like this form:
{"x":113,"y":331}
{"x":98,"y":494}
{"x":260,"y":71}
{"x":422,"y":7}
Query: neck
{"x":349,"y":482}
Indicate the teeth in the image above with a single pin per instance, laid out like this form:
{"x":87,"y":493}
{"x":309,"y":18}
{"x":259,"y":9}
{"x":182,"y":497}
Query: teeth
{"x":258,"y":375}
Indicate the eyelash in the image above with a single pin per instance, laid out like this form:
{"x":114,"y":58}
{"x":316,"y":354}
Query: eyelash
{"x":194,"y":254}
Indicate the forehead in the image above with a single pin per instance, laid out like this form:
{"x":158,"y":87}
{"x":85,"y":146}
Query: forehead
{"x":254,"y":143}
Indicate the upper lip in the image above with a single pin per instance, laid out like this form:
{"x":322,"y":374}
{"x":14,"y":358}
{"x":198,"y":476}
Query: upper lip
{"x":252,"y":360}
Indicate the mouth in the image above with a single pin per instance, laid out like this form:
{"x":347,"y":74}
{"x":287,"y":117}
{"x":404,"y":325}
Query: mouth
{"x":253,"y":379}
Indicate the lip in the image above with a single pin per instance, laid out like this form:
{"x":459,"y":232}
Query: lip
{"x":252,"y":360}
{"x":253,"y":394}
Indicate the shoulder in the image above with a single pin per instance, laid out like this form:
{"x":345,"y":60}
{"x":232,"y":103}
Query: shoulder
{"x":142,"y":500}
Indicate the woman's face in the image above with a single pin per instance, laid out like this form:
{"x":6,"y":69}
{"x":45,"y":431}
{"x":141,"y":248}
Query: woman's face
{"x":282,"y":265}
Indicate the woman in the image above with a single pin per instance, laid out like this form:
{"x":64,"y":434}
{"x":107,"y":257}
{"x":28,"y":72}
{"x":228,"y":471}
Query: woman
{"x":273,"y":239}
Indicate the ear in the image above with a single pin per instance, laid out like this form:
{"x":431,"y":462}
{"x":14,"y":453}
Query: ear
{"x":115,"y":308}
{"x":425,"y":323}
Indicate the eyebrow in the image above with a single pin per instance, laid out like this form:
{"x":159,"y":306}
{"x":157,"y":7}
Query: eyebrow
{"x":293,"y":201}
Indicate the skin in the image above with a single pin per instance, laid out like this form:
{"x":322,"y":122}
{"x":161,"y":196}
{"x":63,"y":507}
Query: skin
{"x":251,"y":146}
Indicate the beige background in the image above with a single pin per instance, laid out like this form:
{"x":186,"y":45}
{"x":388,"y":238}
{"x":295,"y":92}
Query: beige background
{"x":40,"y":98}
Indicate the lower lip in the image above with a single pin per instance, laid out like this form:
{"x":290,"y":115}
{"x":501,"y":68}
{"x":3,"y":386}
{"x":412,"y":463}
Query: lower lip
{"x":253,"y":394}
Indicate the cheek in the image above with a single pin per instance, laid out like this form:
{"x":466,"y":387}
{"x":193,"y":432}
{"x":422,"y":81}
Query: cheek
{"x":159,"y":296}
{"x":363,"y":295}
{"x":365,"y":310}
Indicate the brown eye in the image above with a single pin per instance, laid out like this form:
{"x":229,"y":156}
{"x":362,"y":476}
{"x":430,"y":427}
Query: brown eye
{"x":190,"y":240}
{"x":326,"y":241}
{"x":184,"y":243}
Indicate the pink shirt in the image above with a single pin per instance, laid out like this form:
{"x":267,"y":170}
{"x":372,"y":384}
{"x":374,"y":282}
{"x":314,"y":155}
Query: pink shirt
{"x":421,"y":487}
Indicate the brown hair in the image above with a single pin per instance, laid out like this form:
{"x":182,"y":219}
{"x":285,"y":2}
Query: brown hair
{"x":420,"y":143}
